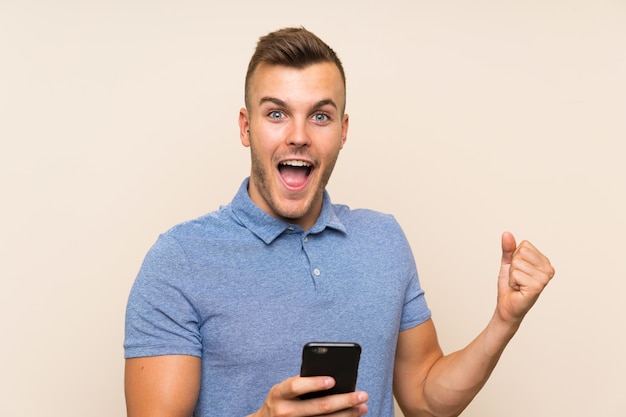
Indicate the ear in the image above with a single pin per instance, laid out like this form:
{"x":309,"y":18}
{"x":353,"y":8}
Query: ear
{"x":344,"y":129}
{"x":244,"y":127}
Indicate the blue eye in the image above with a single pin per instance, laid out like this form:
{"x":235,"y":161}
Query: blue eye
{"x":275,"y":114}
{"x":320,"y":117}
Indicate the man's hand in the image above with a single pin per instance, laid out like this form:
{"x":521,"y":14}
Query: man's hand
{"x":283,"y":400}
{"x":524,"y":273}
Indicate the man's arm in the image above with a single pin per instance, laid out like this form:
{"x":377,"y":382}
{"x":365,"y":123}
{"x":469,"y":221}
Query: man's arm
{"x":427,"y":383}
{"x":162,"y":386}
{"x":168,"y":386}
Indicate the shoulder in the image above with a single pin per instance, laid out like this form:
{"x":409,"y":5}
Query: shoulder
{"x":372,"y":220}
{"x":211,"y":224}
{"x":183,"y":241}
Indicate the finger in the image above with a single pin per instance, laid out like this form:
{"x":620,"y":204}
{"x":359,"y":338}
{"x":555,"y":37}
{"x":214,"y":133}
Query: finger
{"x":521,"y":277}
{"x":531,"y":255}
{"x":295,"y":386}
{"x":508,"y":247}
{"x":283,"y":397}
{"x":524,"y":274}
{"x":350,"y":404}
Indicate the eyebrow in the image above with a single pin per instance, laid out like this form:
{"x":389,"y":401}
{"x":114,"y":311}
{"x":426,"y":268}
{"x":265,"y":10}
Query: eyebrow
{"x":326,"y":102}
{"x":273,"y":100}
{"x":281,"y":103}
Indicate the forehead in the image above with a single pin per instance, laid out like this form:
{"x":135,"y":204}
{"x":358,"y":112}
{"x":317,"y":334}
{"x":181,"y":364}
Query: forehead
{"x":315,"y":82}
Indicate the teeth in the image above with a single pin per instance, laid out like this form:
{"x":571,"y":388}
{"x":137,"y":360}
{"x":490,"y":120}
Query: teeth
{"x":296,"y":163}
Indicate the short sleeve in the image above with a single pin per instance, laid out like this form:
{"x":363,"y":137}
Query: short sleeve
{"x":415,"y":310}
{"x":160,"y":316}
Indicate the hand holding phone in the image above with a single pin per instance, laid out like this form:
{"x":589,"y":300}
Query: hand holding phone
{"x":339,"y":360}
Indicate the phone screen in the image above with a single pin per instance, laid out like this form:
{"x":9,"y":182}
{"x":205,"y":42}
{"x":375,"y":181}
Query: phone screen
{"x":339,"y":360}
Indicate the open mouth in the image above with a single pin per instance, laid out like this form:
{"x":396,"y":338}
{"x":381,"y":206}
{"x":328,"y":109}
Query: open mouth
{"x":295,"y":172}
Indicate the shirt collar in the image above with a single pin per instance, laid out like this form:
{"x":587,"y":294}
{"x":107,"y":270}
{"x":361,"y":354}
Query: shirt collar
{"x":268,"y":228}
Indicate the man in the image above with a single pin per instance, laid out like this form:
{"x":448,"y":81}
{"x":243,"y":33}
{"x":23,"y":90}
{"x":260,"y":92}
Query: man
{"x":223,"y":304}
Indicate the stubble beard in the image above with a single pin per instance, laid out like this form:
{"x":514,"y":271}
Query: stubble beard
{"x":262,"y":180}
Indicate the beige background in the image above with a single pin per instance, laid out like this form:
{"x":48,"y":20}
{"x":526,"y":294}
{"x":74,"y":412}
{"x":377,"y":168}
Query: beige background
{"x":118,"y":120}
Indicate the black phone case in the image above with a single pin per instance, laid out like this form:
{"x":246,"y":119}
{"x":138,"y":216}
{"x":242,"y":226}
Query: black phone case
{"x":338,"y":360}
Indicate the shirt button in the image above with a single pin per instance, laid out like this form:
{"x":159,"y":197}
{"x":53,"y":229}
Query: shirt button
{"x":316,"y":272}
{"x":306,"y":239}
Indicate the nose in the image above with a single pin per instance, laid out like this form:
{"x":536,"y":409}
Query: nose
{"x":298,"y":135}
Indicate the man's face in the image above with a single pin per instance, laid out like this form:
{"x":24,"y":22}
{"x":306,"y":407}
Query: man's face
{"x":295,"y":128}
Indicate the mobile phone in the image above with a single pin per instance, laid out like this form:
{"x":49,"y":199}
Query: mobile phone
{"x":339,"y":360}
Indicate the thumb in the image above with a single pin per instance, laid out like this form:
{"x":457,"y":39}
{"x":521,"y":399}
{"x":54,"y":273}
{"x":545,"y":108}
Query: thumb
{"x":508,"y":247}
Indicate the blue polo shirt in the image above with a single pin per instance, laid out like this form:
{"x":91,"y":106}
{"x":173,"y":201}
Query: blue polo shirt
{"x":245,"y":291}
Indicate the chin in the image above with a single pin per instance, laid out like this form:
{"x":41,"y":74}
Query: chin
{"x":294,"y":212}
{"x":293,"y":215}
